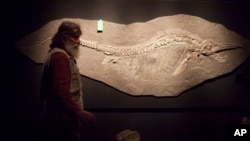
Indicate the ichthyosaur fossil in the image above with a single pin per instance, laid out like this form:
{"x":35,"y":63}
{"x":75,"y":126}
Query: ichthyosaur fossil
{"x":195,"y":46}
{"x":165,"y":60}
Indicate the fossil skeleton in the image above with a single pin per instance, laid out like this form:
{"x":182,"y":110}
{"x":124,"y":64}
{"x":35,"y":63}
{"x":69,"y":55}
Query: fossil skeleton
{"x":172,"y":61}
{"x":165,"y":39}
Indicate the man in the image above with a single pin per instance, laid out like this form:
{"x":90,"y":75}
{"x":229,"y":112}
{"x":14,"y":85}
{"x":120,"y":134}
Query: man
{"x":62,"y":87}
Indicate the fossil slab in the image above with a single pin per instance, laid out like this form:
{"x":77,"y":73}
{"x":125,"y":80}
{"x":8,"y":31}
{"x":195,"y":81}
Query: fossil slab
{"x":161,"y":57}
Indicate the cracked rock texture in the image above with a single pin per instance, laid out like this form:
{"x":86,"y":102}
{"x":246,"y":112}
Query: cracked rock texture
{"x":161,"y":57}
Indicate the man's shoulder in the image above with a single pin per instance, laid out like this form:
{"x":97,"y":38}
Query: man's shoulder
{"x":58,"y":56}
{"x":58,"y":59}
{"x":58,"y":52}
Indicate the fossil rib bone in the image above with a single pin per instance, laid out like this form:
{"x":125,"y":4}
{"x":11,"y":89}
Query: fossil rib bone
{"x":162,"y":57}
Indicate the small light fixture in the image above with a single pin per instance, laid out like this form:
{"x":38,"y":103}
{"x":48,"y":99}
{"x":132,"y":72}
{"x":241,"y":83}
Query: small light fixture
{"x":100,"y":26}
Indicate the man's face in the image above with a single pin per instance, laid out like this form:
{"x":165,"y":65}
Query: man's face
{"x":72,"y":46}
{"x":75,"y":41}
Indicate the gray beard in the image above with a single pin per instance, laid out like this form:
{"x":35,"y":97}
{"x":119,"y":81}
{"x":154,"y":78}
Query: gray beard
{"x":73,"y":51}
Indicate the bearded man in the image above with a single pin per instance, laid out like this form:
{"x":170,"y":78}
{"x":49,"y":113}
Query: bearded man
{"x":61,"y":89}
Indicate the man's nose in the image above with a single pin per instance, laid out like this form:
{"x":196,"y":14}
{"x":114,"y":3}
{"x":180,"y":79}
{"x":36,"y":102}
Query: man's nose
{"x":78,"y":40}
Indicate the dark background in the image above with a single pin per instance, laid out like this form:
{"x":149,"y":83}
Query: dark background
{"x":205,"y":112}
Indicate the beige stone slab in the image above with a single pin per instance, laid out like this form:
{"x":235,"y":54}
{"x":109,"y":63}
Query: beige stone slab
{"x":161,"y":57}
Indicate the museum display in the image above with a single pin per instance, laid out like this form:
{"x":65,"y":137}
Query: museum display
{"x":161,"y":57}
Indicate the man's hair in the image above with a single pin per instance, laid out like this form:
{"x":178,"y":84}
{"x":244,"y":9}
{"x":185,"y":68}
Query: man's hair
{"x":67,"y":28}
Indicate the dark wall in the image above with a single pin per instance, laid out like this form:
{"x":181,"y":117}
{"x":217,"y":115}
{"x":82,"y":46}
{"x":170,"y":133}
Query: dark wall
{"x":217,"y":103}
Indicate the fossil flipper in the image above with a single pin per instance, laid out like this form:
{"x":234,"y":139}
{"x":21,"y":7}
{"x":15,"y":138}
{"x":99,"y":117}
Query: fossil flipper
{"x":162,"y":57}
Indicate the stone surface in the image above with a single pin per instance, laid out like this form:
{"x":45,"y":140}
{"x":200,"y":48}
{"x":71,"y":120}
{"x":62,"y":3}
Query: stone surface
{"x":161,"y":57}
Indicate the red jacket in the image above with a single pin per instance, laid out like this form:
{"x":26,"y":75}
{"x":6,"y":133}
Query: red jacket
{"x":61,"y":85}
